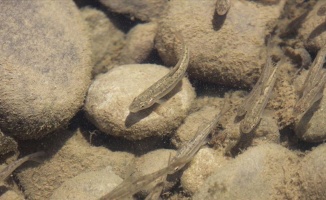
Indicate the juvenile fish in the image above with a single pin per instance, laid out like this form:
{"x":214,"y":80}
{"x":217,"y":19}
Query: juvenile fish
{"x":322,"y":10}
{"x":253,"y":116}
{"x":164,"y":85}
{"x":189,"y":150}
{"x":131,"y":186}
{"x":314,"y":71}
{"x":310,"y":97}
{"x":5,"y":173}
{"x":184,"y":155}
{"x":222,"y":6}
{"x":248,"y":102}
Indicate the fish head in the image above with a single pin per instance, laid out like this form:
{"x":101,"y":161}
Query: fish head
{"x":247,"y":125}
{"x":139,"y":104}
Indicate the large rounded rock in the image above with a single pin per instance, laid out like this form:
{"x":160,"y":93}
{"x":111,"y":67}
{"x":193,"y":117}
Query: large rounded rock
{"x":70,"y":155}
{"x":224,"y":49}
{"x":44,"y":66}
{"x":109,"y":97}
{"x":105,"y":38}
{"x":267,"y":171}
{"x":88,"y":185}
{"x":313,"y":173}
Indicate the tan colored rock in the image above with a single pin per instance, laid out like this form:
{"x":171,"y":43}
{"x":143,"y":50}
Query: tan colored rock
{"x":109,"y":97}
{"x":225,"y":50}
{"x":11,"y":195}
{"x":69,"y":155}
{"x":145,"y":10}
{"x":139,"y":43}
{"x":313,"y":173}
{"x":88,"y":185}
{"x":106,"y":40}
{"x":201,"y":167}
{"x":268,"y":171}
{"x":45,"y":66}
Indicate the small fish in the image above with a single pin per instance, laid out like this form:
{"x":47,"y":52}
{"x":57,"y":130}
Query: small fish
{"x":157,"y":190}
{"x":314,"y":71}
{"x":222,"y":6}
{"x":247,"y":103}
{"x":184,"y":155}
{"x":164,"y":85}
{"x":310,"y":97}
{"x":253,"y":116}
{"x":322,"y":10}
{"x":189,"y":150}
{"x":133,"y":185}
{"x":5,"y":173}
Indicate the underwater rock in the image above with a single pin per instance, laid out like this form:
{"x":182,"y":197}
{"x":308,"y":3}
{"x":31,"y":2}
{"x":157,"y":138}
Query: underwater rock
{"x":205,"y":162}
{"x":88,"y":185}
{"x":139,"y":43}
{"x":105,"y":38}
{"x":109,"y":97}
{"x":11,"y":195}
{"x":69,"y":155}
{"x":226,"y":49}
{"x":145,"y":10}
{"x":45,"y":66}
{"x":313,"y":173}
{"x":312,"y":30}
{"x":267,"y":171}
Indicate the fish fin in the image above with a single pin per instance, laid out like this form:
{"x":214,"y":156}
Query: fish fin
{"x":269,"y":113}
{"x":37,"y":157}
{"x":161,"y":100}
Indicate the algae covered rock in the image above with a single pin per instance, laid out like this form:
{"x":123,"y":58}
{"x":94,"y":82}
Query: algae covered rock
{"x":313,"y":173}
{"x":69,"y":155}
{"x":105,"y":38}
{"x":227,"y":49}
{"x":145,"y":10}
{"x":139,"y":43}
{"x":109,"y":97}
{"x":88,"y":185}
{"x":44,"y":66}
{"x":267,"y":171}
